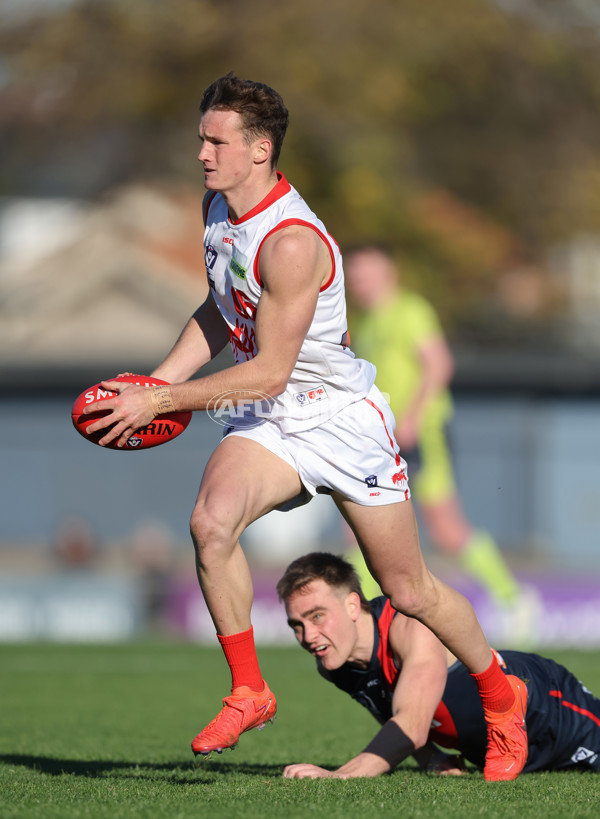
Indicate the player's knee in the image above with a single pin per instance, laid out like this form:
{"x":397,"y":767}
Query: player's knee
{"x":210,"y":531}
{"x":410,"y":599}
{"x":405,"y":601}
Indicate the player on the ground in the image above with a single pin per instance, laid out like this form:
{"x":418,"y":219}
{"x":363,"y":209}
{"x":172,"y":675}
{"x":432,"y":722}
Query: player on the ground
{"x":420,"y":693}
{"x":277,"y":295}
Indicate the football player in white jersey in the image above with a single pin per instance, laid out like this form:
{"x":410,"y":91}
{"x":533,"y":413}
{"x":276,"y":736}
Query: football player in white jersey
{"x":277,"y":296}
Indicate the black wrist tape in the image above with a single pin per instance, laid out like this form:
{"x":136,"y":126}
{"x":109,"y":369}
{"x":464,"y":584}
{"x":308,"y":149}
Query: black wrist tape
{"x":391,"y":744}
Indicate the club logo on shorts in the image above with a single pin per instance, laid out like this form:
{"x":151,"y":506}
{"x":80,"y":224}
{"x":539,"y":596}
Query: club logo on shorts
{"x":371,"y":480}
{"x":318,"y":393}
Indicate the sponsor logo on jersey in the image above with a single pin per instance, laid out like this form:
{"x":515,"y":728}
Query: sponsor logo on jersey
{"x":238,"y":264}
{"x":311,"y":396}
{"x":237,"y":269}
{"x":371,"y":480}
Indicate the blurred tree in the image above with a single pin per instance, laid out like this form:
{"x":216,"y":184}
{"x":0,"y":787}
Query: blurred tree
{"x":459,"y":132}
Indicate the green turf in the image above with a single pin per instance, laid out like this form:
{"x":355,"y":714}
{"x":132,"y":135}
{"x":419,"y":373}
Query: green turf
{"x":104,"y":731}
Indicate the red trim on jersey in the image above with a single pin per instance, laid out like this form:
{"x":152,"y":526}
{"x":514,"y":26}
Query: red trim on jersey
{"x":391,"y":440}
{"x":384,"y":653}
{"x":443,"y":730}
{"x":280,"y":189}
{"x":575,"y":708}
{"x":287,"y":223}
{"x":208,"y":200}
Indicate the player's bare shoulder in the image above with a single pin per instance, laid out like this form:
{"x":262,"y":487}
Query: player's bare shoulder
{"x":300,"y":252}
{"x":400,"y":635}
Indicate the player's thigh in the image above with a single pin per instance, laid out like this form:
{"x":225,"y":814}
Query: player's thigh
{"x":389,"y":538}
{"x":242,"y":481}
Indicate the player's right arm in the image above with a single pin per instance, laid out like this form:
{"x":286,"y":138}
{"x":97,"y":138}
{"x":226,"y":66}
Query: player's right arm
{"x":434,"y":760}
{"x":417,"y":693}
{"x":202,"y":338}
{"x":423,"y":662}
{"x":294,"y":264}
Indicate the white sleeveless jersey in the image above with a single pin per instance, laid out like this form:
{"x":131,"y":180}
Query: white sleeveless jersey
{"x":327,"y":375}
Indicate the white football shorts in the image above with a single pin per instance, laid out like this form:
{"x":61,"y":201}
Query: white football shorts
{"x":354,"y":453}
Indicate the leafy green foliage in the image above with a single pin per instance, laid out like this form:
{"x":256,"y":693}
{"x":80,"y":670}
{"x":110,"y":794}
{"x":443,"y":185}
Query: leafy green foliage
{"x":394,"y":108}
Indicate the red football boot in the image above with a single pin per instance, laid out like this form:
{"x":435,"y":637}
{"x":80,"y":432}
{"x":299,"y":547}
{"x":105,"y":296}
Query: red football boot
{"x":507,"y":737}
{"x":242,"y":710}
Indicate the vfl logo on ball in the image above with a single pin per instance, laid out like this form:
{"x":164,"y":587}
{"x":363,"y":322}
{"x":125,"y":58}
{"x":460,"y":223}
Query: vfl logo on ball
{"x":134,"y":441}
{"x":234,"y":409}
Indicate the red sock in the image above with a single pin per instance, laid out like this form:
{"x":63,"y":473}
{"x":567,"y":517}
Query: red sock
{"x":494,"y":689}
{"x":240,"y":654}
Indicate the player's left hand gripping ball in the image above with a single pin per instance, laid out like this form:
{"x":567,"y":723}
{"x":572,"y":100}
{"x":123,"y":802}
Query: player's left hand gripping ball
{"x":162,"y":429}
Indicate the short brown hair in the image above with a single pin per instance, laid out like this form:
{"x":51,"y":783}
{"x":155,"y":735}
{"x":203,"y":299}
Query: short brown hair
{"x":261,"y":108}
{"x":335,"y":571}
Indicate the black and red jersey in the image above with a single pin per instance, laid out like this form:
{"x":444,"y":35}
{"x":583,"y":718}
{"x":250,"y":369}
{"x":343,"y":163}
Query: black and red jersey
{"x":563,"y":717}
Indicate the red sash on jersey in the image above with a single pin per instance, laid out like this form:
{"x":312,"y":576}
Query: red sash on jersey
{"x":384,"y":654}
{"x":443,"y":730}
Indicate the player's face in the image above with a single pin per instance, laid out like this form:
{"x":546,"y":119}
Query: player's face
{"x":369,"y":277}
{"x":227,"y":157}
{"x":324,"y":622}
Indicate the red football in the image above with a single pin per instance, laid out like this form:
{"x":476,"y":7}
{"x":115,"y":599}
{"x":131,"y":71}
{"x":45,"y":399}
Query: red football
{"x":162,"y":429}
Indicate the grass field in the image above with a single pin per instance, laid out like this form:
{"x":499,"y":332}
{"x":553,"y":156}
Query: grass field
{"x":104,"y":731}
